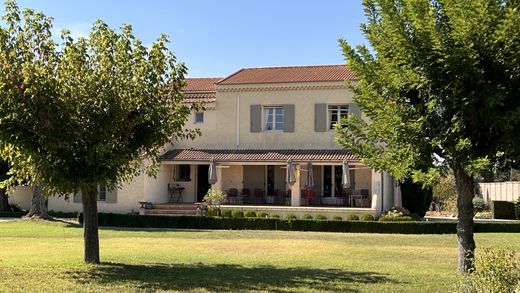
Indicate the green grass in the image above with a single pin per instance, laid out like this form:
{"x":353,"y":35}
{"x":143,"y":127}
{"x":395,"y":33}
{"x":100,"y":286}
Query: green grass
{"x":47,"y":257}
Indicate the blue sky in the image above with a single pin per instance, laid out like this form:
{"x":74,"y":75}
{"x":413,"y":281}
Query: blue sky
{"x":216,"y":38}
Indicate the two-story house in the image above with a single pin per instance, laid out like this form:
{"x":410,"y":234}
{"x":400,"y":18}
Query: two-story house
{"x":254,"y":122}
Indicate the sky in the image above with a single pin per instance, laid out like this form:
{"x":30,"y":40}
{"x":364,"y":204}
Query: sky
{"x":217,"y":38}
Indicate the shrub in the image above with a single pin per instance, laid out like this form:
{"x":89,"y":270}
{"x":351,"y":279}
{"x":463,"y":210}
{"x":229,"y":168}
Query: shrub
{"x":261,"y":215}
{"x":290,"y":217}
{"x":517,"y":209}
{"x":274,"y":216}
{"x":321,"y":218}
{"x":503,"y":210}
{"x":337,"y":218}
{"x":237,"y":214}
{"x":445,"y":195}
{"x":214,"y":198}
{"x":396,"y":214}
{"x":351,"y":217}
{"x":483,"y":215}
{"x":306,"y":217}
{"x":496,"y":270}
{"x":249,"y":214}
{"x":211,"y":212}
{"x":479,"y":204}
{"x":366,"y":217}
{"x":225,"y":213}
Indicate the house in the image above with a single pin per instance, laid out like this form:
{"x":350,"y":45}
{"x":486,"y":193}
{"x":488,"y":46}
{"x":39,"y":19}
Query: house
{"x":254,"y":122}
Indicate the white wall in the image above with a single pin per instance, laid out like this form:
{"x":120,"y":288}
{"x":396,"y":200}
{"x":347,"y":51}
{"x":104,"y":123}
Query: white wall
{"x":503,"y":191}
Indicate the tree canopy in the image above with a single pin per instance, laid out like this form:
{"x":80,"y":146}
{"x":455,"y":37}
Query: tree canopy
{"x":87,"y":111}
{"x":440,"y":88}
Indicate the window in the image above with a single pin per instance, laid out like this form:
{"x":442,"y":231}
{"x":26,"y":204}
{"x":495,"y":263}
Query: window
{"x":336,"y":113}
{"x":273,"y":120}
{"x":199,"y":117}
{"x":182,"y":173}
{"x":102,"y":192}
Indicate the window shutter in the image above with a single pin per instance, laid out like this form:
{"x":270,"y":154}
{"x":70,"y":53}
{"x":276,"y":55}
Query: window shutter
{"x":256,"y":118}
{"x":288,"y":118}
{"x":111,"y":196}
{"x":320,"y":117}
{"x":353,"y":108}
{"x":77,"y":197}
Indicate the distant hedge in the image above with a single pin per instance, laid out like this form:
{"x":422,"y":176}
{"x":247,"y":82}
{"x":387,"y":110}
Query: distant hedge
{"x":12,"y":214}
{"x":188,"y":222}
{"x":503,"y":210}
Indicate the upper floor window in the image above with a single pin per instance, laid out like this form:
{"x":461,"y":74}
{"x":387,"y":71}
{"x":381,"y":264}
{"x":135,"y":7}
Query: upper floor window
{"x":274,"y":120}
{"x":199,"y":117}
{"x":336,"y":113}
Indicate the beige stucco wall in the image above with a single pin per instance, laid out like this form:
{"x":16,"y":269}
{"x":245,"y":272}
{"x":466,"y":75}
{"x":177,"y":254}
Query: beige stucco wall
{"x":219,"y":129}
{"x":254,"y":177}
{"x":232,"y":177}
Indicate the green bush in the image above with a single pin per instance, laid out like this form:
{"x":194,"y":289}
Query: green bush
{"x":517,"y":209}
{"x":211,"y":212}
{"x":237,"y":214}
{"x":249,"y":214}
{"x":225,"y":213}
{"x":274,"y":216}
{"x":337,"y":218}
{"x":306,"y":217}
{"x":351,"y":217}
{"x":190,"y":222}
{"x":396,"y":214}
{"x":290,"y":217}
{"x":503,"y":210}
{"x":496,"y":271}
{"x":261,"y":215}
{"x":479,"y":204}
{"x":321,"y":218}
{"x":366,"y":217}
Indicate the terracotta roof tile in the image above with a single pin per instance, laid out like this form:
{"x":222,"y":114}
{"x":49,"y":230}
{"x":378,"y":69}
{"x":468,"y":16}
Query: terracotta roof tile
{"x":255,"y":155}
{"x":200,"y":89}
{"x":289,"y":74}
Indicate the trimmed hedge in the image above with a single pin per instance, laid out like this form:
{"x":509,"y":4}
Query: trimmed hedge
{"x":187,"y":222}
{"x":12,"y":214}
{"x":503,"y":210}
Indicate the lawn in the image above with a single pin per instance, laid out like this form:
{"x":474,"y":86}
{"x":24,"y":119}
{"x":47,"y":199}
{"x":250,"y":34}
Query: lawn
{"x":47,"y":257}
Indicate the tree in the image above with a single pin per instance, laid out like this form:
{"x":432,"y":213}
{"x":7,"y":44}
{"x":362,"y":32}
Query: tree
{"x":95,"y":110}
{"x":39,"y":203}
{"x":440,"y":90}
{"x":4,"y":200}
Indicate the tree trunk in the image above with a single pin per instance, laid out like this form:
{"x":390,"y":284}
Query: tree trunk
{"x":90,"y":225}
{"x":465,"y":191}
{"x":4,"y":201}
{"x":38,"y":203}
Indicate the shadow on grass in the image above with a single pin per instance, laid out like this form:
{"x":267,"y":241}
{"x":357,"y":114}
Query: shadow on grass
{"x":225,"y":277}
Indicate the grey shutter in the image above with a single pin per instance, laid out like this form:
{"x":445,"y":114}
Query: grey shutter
{"x":256,"y":118}
{"x":77,"y":197}
{"x":288,"y":118}
{"x":111,"y":196}
{"x":353,"y":108}
{"x":320,"y":117}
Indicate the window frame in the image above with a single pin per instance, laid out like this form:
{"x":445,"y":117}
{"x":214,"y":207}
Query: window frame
{"x":338,"y":111}
{"x":196,"y":121}
{"x":274,"y":121}
{"x":102,"y":189}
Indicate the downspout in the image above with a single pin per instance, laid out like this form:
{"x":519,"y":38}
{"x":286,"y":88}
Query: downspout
{"x":238,"y":121}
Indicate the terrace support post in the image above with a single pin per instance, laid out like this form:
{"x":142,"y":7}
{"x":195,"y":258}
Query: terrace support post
{"x":296,"y":195}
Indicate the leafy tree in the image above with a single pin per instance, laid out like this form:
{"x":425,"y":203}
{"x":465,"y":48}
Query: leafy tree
{"x":445,"y":194}
{"x":440,"y":90}
{"x":4,"y":200}
{"x":95,"y":110}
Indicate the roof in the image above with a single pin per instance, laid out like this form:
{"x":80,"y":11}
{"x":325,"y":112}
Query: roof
{"x":257,"y":155}
{"x":200,"y":89}
{"x":289,"y":74}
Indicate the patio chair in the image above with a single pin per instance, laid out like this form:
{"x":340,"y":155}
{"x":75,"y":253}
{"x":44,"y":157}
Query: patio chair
{"x":232,"y":196}
{"x":258,"y":195}
{"x":246,"y":195}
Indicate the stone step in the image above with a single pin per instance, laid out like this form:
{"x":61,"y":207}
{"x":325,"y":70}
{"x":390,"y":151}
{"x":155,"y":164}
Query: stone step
{"x":174,"y":207}
{"x":170,"y":211}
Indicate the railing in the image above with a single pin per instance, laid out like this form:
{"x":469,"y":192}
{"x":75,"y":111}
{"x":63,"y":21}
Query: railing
{"x":504,"y":191}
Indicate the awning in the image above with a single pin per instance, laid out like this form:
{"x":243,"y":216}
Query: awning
{"x":255,"y":155}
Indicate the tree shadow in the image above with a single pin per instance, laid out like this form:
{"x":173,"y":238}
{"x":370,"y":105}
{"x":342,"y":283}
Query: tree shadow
{"x":225,"y":277}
